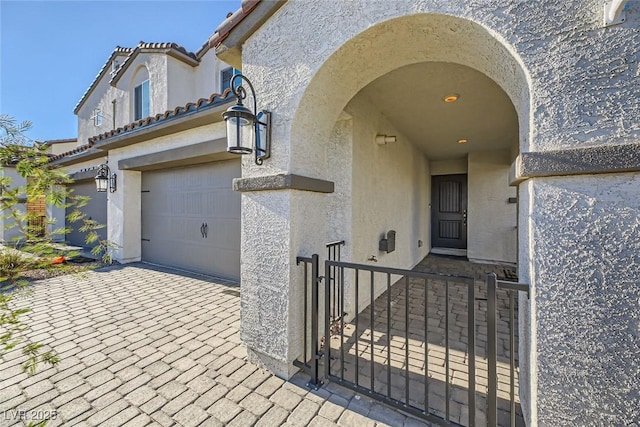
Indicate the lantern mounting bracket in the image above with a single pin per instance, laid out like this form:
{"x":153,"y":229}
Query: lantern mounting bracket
{"x":239,"y":117}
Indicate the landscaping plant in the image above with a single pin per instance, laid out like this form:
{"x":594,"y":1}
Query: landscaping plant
{"x":33,"y":248}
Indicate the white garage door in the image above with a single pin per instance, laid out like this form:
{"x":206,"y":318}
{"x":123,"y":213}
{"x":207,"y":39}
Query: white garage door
{"x":191,"y":218}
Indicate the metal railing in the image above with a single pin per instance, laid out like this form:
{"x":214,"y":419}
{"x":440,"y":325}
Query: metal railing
{"x":312,"y":341}
{"x":381,"y":346}
{"x":512,"y":289}
{"x":311,"y":344}
{"x":334,"y":253}
{"x":380,"y":318}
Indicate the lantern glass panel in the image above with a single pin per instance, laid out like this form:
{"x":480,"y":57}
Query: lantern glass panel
{"x":101,"y":184}
{"x":240,"y":134}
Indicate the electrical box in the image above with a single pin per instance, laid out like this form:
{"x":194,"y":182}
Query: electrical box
{"x":388,"y":245}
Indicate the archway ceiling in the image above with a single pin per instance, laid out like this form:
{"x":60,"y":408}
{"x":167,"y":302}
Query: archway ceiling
{"x":411,"y":97}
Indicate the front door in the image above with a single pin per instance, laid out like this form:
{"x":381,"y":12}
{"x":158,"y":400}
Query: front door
{"x":449,"y":211}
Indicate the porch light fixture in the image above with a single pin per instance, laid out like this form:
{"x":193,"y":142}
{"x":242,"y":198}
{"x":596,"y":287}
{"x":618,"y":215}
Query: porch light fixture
{"x":247,"y":131}
{"x":451,"y":98}
{"x":105,"y":179}
{"x":463,"y":141}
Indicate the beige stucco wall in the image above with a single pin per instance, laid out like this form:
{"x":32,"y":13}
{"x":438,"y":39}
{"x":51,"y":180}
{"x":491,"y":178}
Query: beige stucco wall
{"x":208,"y":77}
{"x":491,"y":218}
{"x":449,"y":167}
{"x":103,"y":96}
{"x":61,"y":147}
{"x":390,"y":191}
{"x":181,"y":83}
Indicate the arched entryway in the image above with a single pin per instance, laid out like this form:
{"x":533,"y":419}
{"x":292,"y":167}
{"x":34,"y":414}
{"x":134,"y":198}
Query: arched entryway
{"x":416,"y":121}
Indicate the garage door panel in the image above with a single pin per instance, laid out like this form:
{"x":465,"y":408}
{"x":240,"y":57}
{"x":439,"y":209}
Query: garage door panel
{"x":223,"y":233}
{"x":95,"y":209}
{"x":175,"y":205}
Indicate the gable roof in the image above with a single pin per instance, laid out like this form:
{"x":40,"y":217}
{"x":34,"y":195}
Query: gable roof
{"x":118,"y":51}
{"x":172,"y":49}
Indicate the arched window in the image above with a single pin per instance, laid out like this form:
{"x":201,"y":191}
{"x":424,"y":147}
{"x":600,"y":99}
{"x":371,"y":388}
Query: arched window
{"x":141,"y":94}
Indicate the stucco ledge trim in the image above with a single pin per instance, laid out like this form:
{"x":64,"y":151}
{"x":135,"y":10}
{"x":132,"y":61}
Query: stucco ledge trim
{"x":616,"y":158}
{"x":282,"y":182}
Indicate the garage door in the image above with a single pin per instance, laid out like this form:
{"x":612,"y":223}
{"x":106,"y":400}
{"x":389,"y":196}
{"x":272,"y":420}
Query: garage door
{"x":96,"y":210}
{"x":191,"y":218}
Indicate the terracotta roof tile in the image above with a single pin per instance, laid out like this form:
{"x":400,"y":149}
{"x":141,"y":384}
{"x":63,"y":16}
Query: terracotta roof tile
{"x":214,"y":99}
{"x":224,"y":29}
{"x":77,"y":150}
{"x":201,"y":103}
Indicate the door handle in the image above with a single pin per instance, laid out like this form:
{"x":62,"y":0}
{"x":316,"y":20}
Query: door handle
{"x":206,"y":230}
{"x":202,"y":230}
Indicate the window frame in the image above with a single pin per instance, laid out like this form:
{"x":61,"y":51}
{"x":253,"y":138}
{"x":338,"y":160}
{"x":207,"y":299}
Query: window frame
{"x":223,"y":86}
{"x":97,"y":117}
{"x":141,"y":93}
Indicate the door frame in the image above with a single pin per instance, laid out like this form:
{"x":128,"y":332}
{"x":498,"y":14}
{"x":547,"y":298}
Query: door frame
{"x":457,"y":249}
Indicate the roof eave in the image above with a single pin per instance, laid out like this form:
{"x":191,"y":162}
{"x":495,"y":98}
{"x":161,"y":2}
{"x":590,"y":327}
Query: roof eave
{"x":185,"y":121}
{"x":103,"y":71}
{"x":83,"y":156}
{"x":233,"y":32}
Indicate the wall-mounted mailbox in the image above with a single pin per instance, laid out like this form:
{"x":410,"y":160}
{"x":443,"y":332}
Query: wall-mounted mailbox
{"x":388,"y":245}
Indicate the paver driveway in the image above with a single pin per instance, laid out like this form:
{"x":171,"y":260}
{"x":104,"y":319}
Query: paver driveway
{"x":142,"y":345}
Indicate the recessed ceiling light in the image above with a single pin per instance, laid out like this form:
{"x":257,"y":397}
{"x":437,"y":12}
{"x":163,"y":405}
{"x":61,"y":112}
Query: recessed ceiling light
{"x":451,"y":98}
{"x":463,"y":141}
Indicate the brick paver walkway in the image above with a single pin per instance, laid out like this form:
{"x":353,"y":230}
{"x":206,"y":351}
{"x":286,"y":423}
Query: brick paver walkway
{"x":143,"y":346}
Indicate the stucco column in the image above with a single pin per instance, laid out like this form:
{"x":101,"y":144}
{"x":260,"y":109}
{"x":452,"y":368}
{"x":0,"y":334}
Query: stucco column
{"x":277,"y":226}
{"x":580,"y":251}
{"x":123,"y":216}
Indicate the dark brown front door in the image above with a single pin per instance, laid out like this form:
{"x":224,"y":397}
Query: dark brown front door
{"x":449,"y":211}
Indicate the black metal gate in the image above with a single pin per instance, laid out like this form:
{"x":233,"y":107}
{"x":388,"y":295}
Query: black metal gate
{"x":443,"y":348}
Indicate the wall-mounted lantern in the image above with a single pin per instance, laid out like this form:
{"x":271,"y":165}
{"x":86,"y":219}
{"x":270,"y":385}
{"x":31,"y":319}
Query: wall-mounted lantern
{"x":105,"y":179}
{"x":247,"y":131}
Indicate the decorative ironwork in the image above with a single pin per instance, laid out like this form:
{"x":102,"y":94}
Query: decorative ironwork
{"x":383,"y":347}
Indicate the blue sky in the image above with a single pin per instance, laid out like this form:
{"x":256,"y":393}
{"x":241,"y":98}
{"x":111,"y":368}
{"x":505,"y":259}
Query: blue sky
{"x":50,"y":51}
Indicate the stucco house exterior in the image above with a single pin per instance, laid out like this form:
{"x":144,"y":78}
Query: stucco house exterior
{"x":152,"y":114}
{"x":547,"y":115}
{"x":506,"y":132}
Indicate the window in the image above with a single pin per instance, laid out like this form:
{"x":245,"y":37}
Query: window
{"x":226,"y":76}
{"x":141,"y":101}
{"x":115,"y":65}
{"x":97,"y":116}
